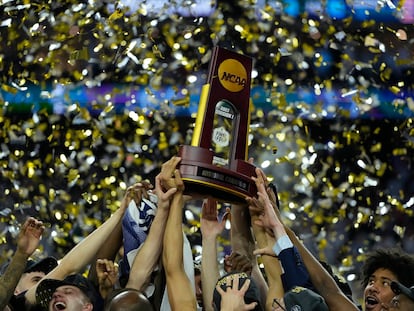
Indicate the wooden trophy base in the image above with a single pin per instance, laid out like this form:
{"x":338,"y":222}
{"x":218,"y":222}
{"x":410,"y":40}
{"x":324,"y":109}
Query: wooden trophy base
{"x":204,"y":179}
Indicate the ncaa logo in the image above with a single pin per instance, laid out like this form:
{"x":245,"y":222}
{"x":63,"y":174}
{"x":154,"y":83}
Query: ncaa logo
{"x":232,"y":75}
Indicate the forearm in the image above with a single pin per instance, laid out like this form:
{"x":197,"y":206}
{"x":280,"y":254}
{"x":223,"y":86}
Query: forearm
{"x":321,"y":279}
{"x":10,"y":278}
{"x":209,"y":270}
{"x":180,"y":291}
{"x":272,"y":268}
{"x":173,"y":239}
{"x":82,"y":254}
{"x":242,"y":240}
{"x":111,"y":249}
{"x":296,"y":273}
{"x":149,"y":254}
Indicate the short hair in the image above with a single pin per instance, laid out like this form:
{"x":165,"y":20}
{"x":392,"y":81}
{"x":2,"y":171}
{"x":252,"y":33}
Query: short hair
{"x":127,"y":299}
{"x":395,"y":260}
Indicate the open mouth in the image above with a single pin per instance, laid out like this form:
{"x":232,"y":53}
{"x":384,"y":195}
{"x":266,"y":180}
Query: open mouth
{"x":371,"y":302}
{"x":59,"y":306}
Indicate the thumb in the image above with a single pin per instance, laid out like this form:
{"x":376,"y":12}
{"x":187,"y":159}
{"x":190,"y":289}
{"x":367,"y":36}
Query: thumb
{"x":250,"y":306}
{"x":263,"y":251}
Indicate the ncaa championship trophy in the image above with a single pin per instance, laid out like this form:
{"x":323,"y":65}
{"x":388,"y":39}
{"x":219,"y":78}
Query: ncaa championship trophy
{"x":215,"y":165}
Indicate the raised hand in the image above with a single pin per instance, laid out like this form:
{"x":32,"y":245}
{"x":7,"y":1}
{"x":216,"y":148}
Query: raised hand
{"x":210,"y":224}
{"x":232,"y":299}
{"x":168,"y":182}
{"x":136,"y":192}
{"x":167,"y":174}
{"x":107,"y":274}
{"x":262,"y":206}
{"x":29,"y":236}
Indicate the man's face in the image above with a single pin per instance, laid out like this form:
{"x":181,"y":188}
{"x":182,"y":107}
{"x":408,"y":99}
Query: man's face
{"x":378,"y":290}
{"x":27,"y":280}
{"x":69,"y":298}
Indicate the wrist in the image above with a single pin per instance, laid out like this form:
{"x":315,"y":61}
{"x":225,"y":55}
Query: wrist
{"x":209,"y":237}
{"x":281,"y":244}
{"x":21,"y":254}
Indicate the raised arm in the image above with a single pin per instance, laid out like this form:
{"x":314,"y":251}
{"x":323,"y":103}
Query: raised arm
{"x":149,"y":254}
{"x":243,"y":241}
{"x":114,"y":242}
{"x":27,"y":241}
{"x":271,"y":264}
{"x":322,"y":281}
{"x":82,"y":254}
{"x":211,"y":228}
{"x":180,"y":291}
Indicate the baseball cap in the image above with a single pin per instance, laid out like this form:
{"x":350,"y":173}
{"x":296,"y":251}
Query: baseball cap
{"x":127,"y":299}
{"x":44,"y":265}
{"x":398,"y":289}
{"x":252,"y":294}
{"x":47,"y":287}
{"x":304,"y":299}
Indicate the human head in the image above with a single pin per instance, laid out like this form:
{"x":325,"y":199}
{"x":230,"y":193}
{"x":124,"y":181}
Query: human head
{"x":75,"y":293}
{"x":300,"y":298}
{"x":381,"y":267}
{"x":127,"y":299}
{"x":34,"y":272}
{"x":251,"y":295}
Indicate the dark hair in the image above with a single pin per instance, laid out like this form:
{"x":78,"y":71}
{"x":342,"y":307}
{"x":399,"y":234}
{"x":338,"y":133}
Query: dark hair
{"x":342,"y":284}
{"x":395,"y":260}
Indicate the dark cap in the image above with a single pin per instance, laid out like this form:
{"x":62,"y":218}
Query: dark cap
{"x":47,"y":287}
{"x":44,"y":265}
{"x":252,"y":294}
{"x":398,"y":289}
{"x":128,"y":299}
{"x":304,"y":299}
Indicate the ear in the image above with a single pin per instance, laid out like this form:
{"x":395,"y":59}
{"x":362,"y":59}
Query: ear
{"x":88,"y":307}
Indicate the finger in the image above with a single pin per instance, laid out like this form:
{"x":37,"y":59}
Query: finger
{"x":170,"y":192}
{"x":263,"y":251}
{"x":260,"y":174}
{"x":250,"y":306}
{"x":147,"y":184}
{"x":219,"y":289}
{"x":256,"y":210}
{"x":245,"y":286}
{"x":236,"y":282}
{"x":30,"y":222}
{"x":168,"y":167}
{"x":39,"y":224}
{"x":259,"y":222}
{"x":209,"y":209}
{"x":178,"y":180}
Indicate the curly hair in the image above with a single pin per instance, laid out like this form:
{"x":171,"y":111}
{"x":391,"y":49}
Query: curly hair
{"x":395,"y":260}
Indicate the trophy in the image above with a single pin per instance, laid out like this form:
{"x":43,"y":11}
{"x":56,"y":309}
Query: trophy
{"x":215,"y":164}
